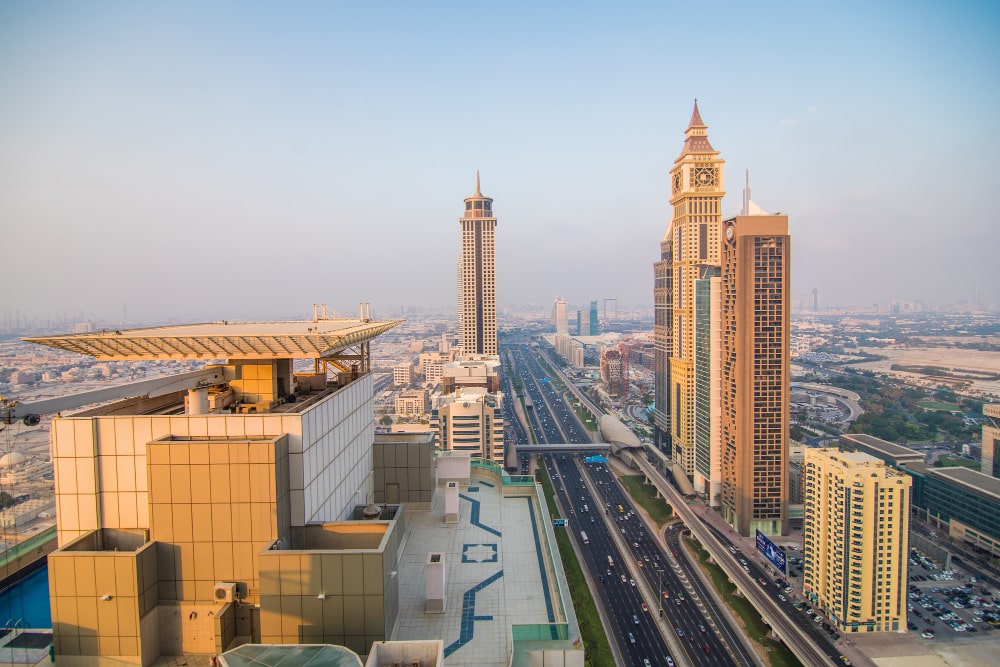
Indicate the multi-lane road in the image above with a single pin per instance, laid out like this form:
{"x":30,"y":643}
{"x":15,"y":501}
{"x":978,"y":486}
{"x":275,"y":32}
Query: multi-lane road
{"x":633,"y":576}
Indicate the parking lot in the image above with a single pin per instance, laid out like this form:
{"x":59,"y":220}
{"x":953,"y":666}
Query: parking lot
{"x":947,"y":604}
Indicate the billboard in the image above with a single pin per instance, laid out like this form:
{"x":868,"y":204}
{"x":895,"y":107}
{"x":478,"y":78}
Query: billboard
{"x":771,"y":551}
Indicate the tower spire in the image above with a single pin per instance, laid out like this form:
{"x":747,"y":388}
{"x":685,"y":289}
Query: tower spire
{"x":696,"y":116}
{"x":478,"y":193}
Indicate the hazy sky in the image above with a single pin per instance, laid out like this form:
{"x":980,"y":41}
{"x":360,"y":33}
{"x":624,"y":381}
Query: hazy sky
{"x":225,"y":160}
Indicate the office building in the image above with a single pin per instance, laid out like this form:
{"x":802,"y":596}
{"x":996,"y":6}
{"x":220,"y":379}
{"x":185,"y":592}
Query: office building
{"x":856,"y":540}
{"x":961,"y":501}
{"x":401,"y":374}
{"x":412,"y":403}
{"x":482,"y":371}
{"x":470,"y":420}
{"x":708,"y":385}
{"x":583,"y":322}
{"x":560,"y":317}
{"x":477,"y":298}
{"x":991,"y":440}
{"x":611,"y":372}
{"x":691,"y":243}
{"x":755,"y":288}
{"x":595,"y":325}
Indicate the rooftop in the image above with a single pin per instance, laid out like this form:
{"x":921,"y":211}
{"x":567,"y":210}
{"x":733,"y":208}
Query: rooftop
{"x":285,"y":339}
{"x":499,"y":573}
{"x":974,"y":480}
{"x":883,"y":446}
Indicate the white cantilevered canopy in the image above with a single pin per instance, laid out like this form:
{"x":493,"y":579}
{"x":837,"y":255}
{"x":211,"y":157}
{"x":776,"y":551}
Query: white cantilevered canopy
{"x":289,"y":339}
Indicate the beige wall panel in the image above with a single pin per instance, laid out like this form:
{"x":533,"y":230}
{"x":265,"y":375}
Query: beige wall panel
{"x":104,"y":576}
{"x":159,"y":482}
{"x":222,"y":553}
{"x":83,"y":437}
{"x":85,"y":576}
{"x":66,"y":610}
{"x":65,"y":469}
{"x":239,"y":472}
{"x":353,"y":574}
{"x":222,"y":528}
{"x":182,"y":521}
{"x":162,"y":525}
{"x":199,"y":452}
{"x":180,"y":453}
{"x":128,"y":619}
{"x":158,"y":454}
{"x":107,"y":618}
{"x":374,"y":620}
{"x":333,"y":574}
{"x":291,"y":616}
{"x":354,"y":614}
{"x":63,"y":570}
{"x":86,"y":616}
{"x":126,"y":578}
{"x":198,"y":428}
{"x":89,"y":645}
{"x":107,"y":468}
{"x":312,"y":615}
{"x":202,"y":524}
{"x":129,"y":645}
{"x":270,"y":584}
{"x":241,"y":522}
{"x":201,"y":484}
{"x":204,"y":563}
{"x":125,"y":472}
{"x":219,"y":474}
{"x":333,"y":616}
{"x":373,"y":574}
{"x":180,"y":484}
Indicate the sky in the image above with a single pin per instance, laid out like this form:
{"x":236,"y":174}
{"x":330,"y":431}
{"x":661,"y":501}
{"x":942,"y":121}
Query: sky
{"x":226,"y":160}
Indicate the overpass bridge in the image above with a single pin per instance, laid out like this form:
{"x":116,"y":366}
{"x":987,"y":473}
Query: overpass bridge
{"x":571,"y":447}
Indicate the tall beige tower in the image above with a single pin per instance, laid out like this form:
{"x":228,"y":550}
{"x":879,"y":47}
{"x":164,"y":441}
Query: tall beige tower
{"x":856,"y":546}
{"x":691,"y":244}
{"x":477,"y":315}
{"x":756,"y":263}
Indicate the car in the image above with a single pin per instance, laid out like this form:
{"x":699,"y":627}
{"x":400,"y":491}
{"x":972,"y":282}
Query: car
{"x":782,"y":598}
{"x":640,"y":563}
{"x":631,"y":637}
{"x":644,"y":607}
{"x":761,"y":580}
{"x":701,"y":627}
{"x":670,"y":661}
{"x":624,"y":579}
{"x":927,"y":634}
{"x":666,"y":595}
{"x":817,"y":618}
{"x":708,"y":651}
{"x":677,"y":600}
{"x":645,"y":558}
{"x":635,"y":619}
{"x":635,"y":545}
{"x":787,"y":589}
{"x":631,"y":582}
{"x":844,"y":659}
{"x":680,"y":633}
{"x":645,"y":662}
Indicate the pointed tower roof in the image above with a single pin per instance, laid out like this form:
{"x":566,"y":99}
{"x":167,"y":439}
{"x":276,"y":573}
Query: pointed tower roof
{"x":696,"y":135}
{"x":478,"y":193}
{"x":695,"y":116}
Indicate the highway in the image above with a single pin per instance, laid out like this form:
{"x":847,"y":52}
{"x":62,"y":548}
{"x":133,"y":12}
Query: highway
{"x":640,"y":572}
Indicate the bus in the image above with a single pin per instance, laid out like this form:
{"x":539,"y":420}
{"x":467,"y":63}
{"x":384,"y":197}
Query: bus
{"x":583,"y":536}
{"x":611,"y":563}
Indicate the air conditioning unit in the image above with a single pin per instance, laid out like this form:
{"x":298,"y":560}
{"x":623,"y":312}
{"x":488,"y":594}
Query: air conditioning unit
{"x":225,"y":591}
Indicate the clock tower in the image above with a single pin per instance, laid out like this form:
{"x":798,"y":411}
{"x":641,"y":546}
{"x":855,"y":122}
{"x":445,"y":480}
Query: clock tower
{"x":691,"y":245}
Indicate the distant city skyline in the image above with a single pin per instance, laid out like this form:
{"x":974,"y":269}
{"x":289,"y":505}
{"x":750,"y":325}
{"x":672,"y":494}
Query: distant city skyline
{"x":144,"y":148}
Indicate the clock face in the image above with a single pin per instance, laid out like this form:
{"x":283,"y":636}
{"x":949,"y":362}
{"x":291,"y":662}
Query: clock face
{"x":677,"y":181}
{"x":704,"y":177}
{"x":729,"y":233}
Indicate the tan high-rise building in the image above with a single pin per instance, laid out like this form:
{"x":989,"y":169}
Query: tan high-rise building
{"x":477,"y":300}
{"x":692,"y":242}
{"x":471,"y":420}
{"x":991,"y":440}
{"x":756,"y":267}
{"x":856,"y":540}
{"x":560,"y":317}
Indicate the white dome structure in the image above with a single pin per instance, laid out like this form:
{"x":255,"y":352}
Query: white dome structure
{"x":12,"y":459}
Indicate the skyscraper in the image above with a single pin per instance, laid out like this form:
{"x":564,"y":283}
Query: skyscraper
{"x":857,"y":515}
{"x":477,"y":316}
{"x":755,"y":371}
{"x":595,"y":325}
{"x":559,"y":316}
{"x":691,"y":243}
